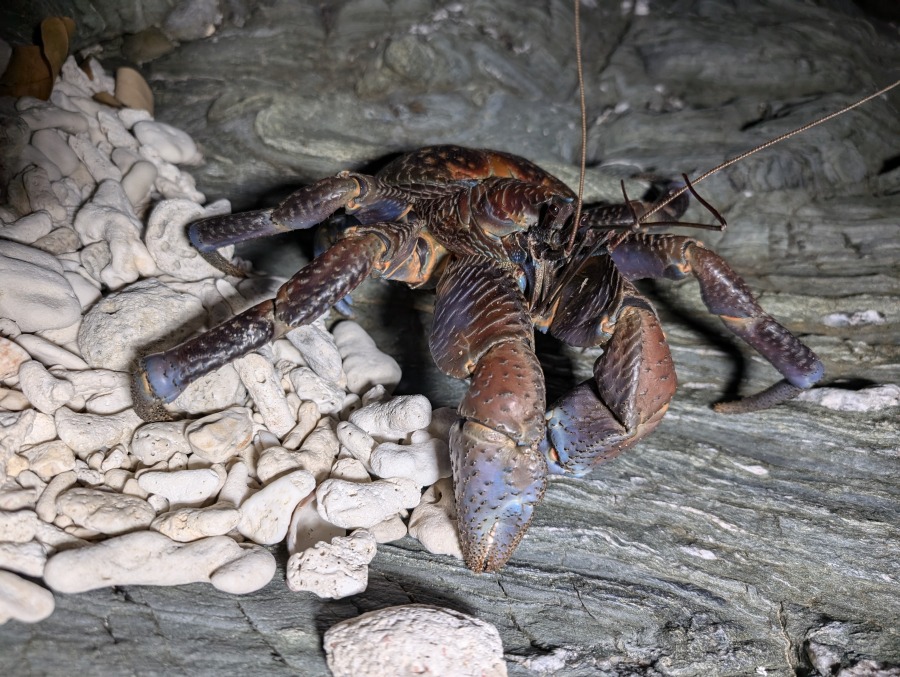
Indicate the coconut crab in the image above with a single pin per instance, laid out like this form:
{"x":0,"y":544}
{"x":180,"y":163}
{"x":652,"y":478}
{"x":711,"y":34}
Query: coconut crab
{"x":498,"y":238}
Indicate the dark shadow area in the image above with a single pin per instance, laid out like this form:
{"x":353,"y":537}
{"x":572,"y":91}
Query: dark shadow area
{"x":559,"y":375}
{"x":889,"y":165}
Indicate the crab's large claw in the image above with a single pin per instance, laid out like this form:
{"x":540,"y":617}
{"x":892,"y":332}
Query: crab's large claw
{"x":482,"y":330}
{"x":498,"y":483}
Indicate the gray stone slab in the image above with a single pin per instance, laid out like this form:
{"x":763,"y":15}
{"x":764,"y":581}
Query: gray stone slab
{"x":757,"y":544}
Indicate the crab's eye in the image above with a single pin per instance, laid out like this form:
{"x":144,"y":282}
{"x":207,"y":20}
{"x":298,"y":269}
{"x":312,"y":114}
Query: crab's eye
{"x":553,"y":209}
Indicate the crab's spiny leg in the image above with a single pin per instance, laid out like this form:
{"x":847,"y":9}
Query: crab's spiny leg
{"x":161,"y":377}
{"x":727,"y":295}
{"x":304,"y":208}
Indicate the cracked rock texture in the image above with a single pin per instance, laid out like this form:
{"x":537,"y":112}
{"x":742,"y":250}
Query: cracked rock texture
{"x":759,"y":544}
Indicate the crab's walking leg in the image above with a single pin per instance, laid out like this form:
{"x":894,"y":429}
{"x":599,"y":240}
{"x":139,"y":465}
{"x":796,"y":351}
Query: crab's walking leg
{"x":161,"y":377}
{"x":482,"y":330}
{"x":634,"y":378}
{"x":302,"y":209}
{"x":728,"y":296}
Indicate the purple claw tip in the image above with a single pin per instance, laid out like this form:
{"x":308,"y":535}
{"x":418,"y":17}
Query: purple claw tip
{"x":498,"y":485}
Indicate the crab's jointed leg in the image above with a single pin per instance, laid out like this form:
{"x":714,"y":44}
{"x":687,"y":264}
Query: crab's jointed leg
{"x":302,"y":209}
{"x":161,"y":377}
{"x":728,"y":296}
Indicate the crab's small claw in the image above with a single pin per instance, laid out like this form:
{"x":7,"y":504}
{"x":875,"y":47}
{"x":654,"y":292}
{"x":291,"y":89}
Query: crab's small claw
{"x":498,"y":484}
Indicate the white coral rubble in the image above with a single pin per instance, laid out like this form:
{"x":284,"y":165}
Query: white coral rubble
{"x":95,"y":269}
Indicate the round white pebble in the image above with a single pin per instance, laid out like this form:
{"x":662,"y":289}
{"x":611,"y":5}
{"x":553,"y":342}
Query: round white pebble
{"x":415,"y":639}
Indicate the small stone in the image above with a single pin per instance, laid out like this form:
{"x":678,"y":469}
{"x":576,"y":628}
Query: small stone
{"x":349,"y":469}
{"x":87,"y":290}
{"x":184,"y":488}
{"x":319,"y":351}
{"x":394,"y":419}
{"x":221,"y":436}
{"x":115,"y":131}
{"x":116,"y":478}
{"x":105,"y":512}
{"x":356,"y":441}
{"x":85,"y":433}
{"x":18,"y":527}
{"x":361,"y":505}
{"x":132,"y":488}
{"x":319,"y":450}
{"x":168,"y":242}
{"x":55,"y":539}
{"x":414,"y":639}
{"x":333,"y":570}
{"x":46,"y":392}
{"x":307,"y":419}
{"x":13,"y":400}
{"x":104,"y":391}
{"x":36,"y":298}
{"x":18,"y":498}
{"x":276,"y":461}
{"x":31,"y":155}
{"x":115,"y":458}
{"x":191,"y":524}
{"x":36,"y":182}
{"x":23,"y":558}
{"x":11,"y":358}
{"x":308,"y":385}
{"x":97,"y":163}
{"x":49,"y":459}
{"x":217,"y":390}
{"x":159,"y":441}
{"x":138,"y":186}
{"x":308,"y":528}
{"x":150,"y":558}
{"x":53,"y":145}
{"x":389,"y":530}
{"x":266,"y":515}
{"x":434,"y":520}
{"x":160,"y":503}
{"x":109,"y":217}
{"x":48,"y":116}
{"x":364,"y":364}
{"x":29,"y":228}
{"x":23,"y":600}
{"x":172,"y":145}
{"x":423,"y":463}
{"x":49,"y":354}
{"x":60,"y":240}
{"x":259,"y":378}
{"x":250,"y":572}
{"x":874,"y":398}
{"x":238,"y":485}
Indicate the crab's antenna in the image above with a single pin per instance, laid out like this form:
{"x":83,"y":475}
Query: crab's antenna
{"x":580,"y":68}
{"x":763,"y":146}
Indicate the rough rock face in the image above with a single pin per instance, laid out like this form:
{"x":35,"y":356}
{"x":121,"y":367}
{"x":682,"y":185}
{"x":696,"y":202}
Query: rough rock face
{"x":759,"y":544}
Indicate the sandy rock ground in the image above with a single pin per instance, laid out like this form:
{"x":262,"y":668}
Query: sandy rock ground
{"x":761,"y":544}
